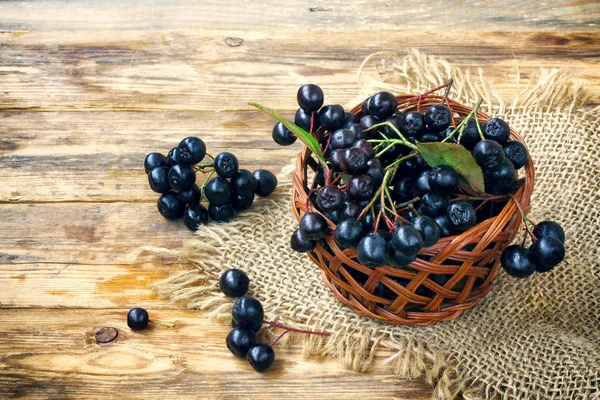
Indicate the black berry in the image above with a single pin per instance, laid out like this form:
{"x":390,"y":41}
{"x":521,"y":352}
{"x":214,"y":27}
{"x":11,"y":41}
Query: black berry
{"x":500,"y":180}
{"x":261,"y":357}
{"x":182,"y":177}
{"x":443,"y":180}
{"x":226,"y":165}
{"x":191,"y":151}
{"x":353,"y":161}
{"x":423,"y":183}
{"x":222,"y":213}
{"x":360,"y":188}
{"x":342,"y":139}
{"x":241,"y":202}
{"x":137,"y":319}
{"x":349,"y":210}
{"x":368,"y":121}
{"x":218,"y":191}
{"x":516,"y":152}
{"x":470,"y":136}
{"x":375,"y":171}
{"x":404,"y":189}
{"x":190,"y":196}
{"x":240,"y":340}
{"x":154,"y":160}
{"x":194,"y":216}
{"x":266,"y":182}
{"x":383,"y":105}
{"x":234,"y":283}
{"x":169,"y":206}
{"x":172,"y":156}
{"x":301,"y":244}
{"x":398,"y":259}
{"x":497,"y":130}
{"x":437,"y":117}
{"x":248,"y":313}
{"x":282,"y":135}
{"x":516,"y":261}
{"x":433,"y":205}
{"x":330,"y":198}
{"x":364,"y":146}
{"x":372,"y":251}
{"x":488,"y":154}
{"x":304,"y":119}
{"x":310,"y":97}
{"x":547,"y":253}
{"x":461,"y":216}
{"x":158,"y":179}
{"x":243,"y":182}
{"x":549,"y":228}
{"x":349,"y":233}
{"x":413,"y":124}
{"x":332,"y":117}
{"x":313,"y":226}
{"x":366,"y":106}
{"x":407,"y":240}
{"x":428,"y":228}
{"x":442,"y":222}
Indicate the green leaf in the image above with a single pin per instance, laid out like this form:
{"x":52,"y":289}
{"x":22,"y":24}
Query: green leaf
{"x":306,"y":138}
{"x":457,"y":157}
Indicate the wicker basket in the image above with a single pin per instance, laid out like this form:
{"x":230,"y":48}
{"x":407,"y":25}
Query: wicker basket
{"x":419,"y":300}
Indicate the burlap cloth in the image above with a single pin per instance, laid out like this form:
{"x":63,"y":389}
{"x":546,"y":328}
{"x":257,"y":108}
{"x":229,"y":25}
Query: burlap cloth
{"x":531,"y":338}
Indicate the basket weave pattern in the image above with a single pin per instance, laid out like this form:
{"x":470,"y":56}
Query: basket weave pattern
{"x":472,"y":271}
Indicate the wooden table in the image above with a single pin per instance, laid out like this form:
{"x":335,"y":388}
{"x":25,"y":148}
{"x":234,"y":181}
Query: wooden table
{"x":88,"y":88}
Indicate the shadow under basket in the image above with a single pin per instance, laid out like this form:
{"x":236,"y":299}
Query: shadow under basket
{"x":446,"y":278}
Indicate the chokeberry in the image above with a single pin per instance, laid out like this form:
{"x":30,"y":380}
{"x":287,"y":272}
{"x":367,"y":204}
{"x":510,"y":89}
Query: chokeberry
{"x":430,"y":137}
{"x":282,"y":135}
{"x":301,"y":244}
{"x":360,"y":188}
{"x":137,"y":319}
{"x":364,"y":146}
{"x":248,"y":313}
{"x":415,"y":164}
{"x":372,"y":251}
{"x":404,"y":189}
{"x":516,"y":152}
{"x":349,"y":210}
{"x":500,"y":180}
{"x":154,"y":160}
{"x":366,"y":105}
{"x":353,"y":161}
{"x":358,"y":130}
{"x":368,"y":221}
{"x":497,"y":130}
{"x":191,"y":151}
{"x":310,"y":97}
{"x":222,"y":213}
{"x":218,"y":191}
{"x":240,"y":340}
{"x":313,"y":226}
{"x":516,"y":261}
{"x":413,"y":124}
{"x":304,"y":119}
{"x":399,"y":260}
{"x":423,"y":183}
{"x":226,"y":165}
{"x":549,"y":228}
{"x":349,"y":233}
{"x":169,"y":206}
{"x":261,"y":357}
{"x":447,"y":132}
{"x":443,"y":180}
{"x":241,"y":202}
{"x":234,"y":283}
{"x":172,"y":156}
{"x":433,"y":205}
{"x":194,"y":216}
{"x":488,"y":154}
{"x":182,"y":177}
{"x":332,"y":117}
{"x":437,"y":117}
{"x":396,"y":121}
{"x":368,"y":121}
{"x":428,"y":228}
{"x":330,"y":198}
{"x":158,"y":179}
{"x":461,"y":216}
{"x":243,"y":182}
{"x":342,"y":139}
{"x":336,"y":156}
{"x":266,"y":182}
{"x":190,"y":196}
{"x":349,"y":120}
{"x":407,"y":240}
{"x":470,"y":136}
{"x":375,"y":171}
{"x":442,"y":222}
{"x":547,"y":253}
{"x":383,"y":105}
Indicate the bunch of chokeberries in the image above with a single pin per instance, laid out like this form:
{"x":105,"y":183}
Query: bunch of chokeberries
{"x":233,"y":189}
{"x":247,"y":322}
{"x":388,"y":179}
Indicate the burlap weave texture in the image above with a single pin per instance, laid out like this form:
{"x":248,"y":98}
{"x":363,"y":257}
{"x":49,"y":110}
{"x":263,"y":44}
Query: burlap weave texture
{"x":531,"y":338}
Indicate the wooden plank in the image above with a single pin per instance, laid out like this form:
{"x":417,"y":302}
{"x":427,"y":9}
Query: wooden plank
{"x":52,"y":354}
{"x":303,"y":15}
{"x":147,"y":70}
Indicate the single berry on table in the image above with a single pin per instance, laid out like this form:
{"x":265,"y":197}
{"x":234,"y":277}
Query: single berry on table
{"x":372,"y":251}
{"x":239,"y":340}
{"x":313,"y":226}
{"x":266,"y":182}
{"x":243,"y":182}
{"x":169,"y":206}
{"x":194,"y":216}
{"x":461,"y":216}
{"x":190,"y":196}
{"x":248,"y":313}
{"x":234,"y":283}
{"x":182,"y":177}
{"x":282,"y":135}
{"x":349,"y":233}
{"x":158,"y":179}
{"x":301,"y":244}
{"x":516,"y":152}
{"x":222,"y":213}
{"x":191,"y":151}
{"x":226,"y":165}
{"x":137,"y":319}
{"x":310,"y":97}
{"x":547,"y":253}
{"x":218,"y":191}
{"x":241,"y":202}
{"x":332,"y":117}
{"x":497,"y":130}
{"x":330,"y":198}
{"x":261,"y":357}
{"x":154,"y":160}
{"x":428,"y":228}
{"x":438,"y":117}
{"x":488,"y":154}
{"x":383,"y":105}
{"x":407,"y":240}
{"x":549,"y":228}
{"x":516,"y":261}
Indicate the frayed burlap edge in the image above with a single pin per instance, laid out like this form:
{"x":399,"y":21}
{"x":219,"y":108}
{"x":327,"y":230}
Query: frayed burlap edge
{"x":197,"y":288}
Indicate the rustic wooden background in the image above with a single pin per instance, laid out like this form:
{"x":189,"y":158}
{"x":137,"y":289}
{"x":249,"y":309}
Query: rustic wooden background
{"x":87,"y":88}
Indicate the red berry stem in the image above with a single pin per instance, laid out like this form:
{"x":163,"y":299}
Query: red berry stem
{"x":337,"y":179}
{"x":312,"y":123}
{"x":279,"y":338}
{"x":271,"y":324}
{"x":422,"y":96}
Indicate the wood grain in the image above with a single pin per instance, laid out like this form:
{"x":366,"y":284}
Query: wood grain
{"x":88,"y":88}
